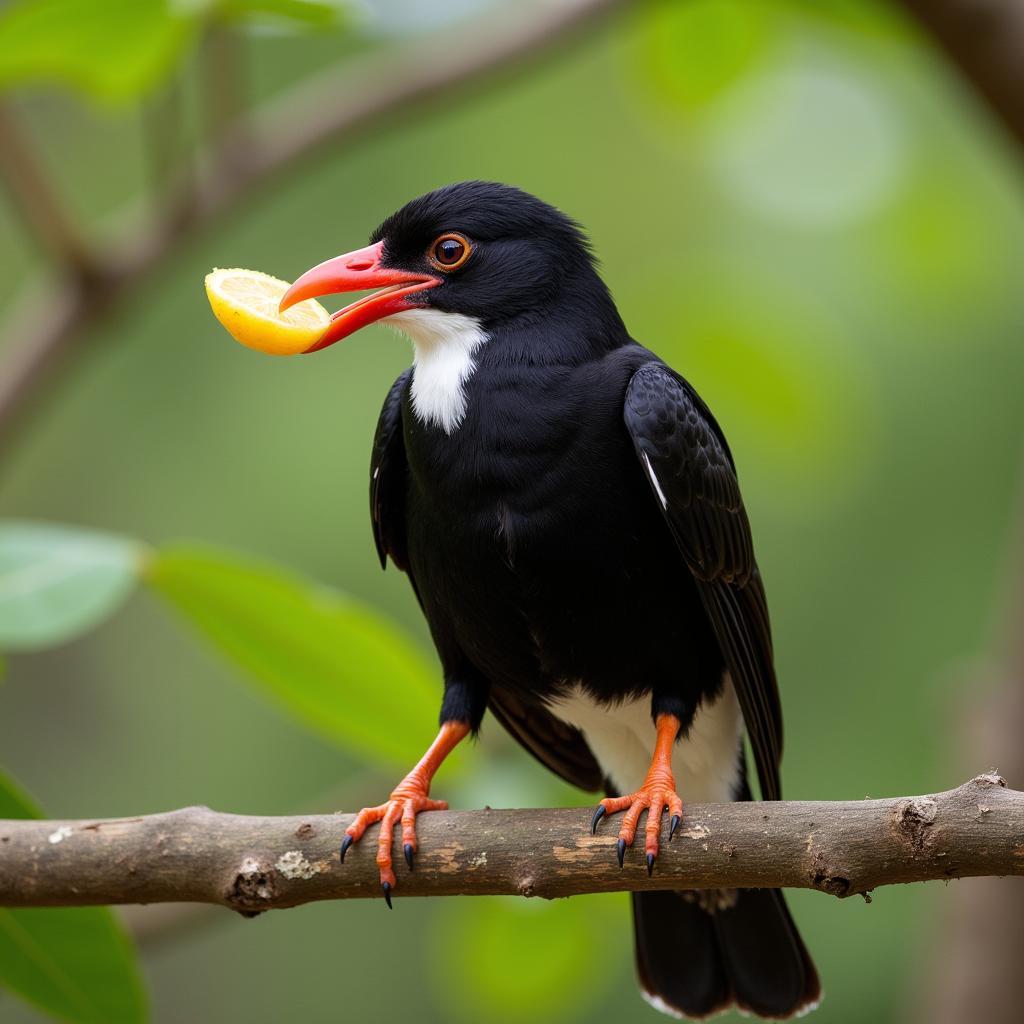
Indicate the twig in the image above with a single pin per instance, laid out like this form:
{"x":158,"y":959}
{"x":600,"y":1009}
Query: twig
{"x":36,"y":200}
{"x":252,"y":864}
{"x":331,"y":108}
{"x":985,"y":39}
{"x":224,"y":80}
{"x":172,"y":172}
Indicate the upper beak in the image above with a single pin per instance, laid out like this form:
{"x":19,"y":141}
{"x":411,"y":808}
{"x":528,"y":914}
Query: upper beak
{"x":356,"y":272}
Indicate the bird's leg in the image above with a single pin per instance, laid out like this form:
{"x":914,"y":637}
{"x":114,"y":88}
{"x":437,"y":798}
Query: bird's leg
{"x":657,"y":792}
{"x":408,"y":798}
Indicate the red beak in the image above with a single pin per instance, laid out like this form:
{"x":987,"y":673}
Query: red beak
{"x":356,"y":272}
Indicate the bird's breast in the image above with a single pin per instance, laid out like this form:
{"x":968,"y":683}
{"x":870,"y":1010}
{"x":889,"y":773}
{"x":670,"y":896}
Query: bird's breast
{"x":534,"y":538}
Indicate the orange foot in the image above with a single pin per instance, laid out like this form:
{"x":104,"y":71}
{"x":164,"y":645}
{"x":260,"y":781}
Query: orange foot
{"x":657,"y":792}
{"x":403,"y":805}
{"x":409,"y":797}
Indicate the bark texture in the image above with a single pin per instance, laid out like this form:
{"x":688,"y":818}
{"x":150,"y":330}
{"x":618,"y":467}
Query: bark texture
{"x":252,"y":864}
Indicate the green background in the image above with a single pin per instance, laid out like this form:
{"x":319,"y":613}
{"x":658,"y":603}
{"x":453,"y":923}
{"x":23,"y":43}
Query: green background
{"x":805,"y":216}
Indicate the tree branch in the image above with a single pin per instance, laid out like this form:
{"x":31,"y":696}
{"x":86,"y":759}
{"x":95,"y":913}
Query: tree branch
{"x":332,"y":107}
{"x":223,"y":65}
{"x":985,"y":39}
{"x":37,"y":201}
{"x":252,"y":864}
{"x":171,"y":164}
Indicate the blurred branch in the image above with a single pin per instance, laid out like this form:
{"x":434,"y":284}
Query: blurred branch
{"x":332,"y":107}
{"x":224,"y":85}
{"x":36,"y":200}
{"x":251,"y":864}
{"x":985,"y":39}
{"x":171,"y":168}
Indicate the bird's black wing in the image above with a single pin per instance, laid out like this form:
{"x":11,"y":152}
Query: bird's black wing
{"x":690,"y":469}
{"x":558,"y":746}
{"x":389,"y":479}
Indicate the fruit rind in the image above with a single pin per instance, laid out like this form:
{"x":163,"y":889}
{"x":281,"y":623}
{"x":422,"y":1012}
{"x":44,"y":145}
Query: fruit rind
{"x":256,"y":323}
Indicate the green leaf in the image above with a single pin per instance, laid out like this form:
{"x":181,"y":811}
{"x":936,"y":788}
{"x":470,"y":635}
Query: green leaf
{"x":75,"y":963}
{"x":57,"y":582}
{"x":118,"y":50}
{"x":335,"y":664}
{"x":112,"y":51}
{"x":15,"y":802}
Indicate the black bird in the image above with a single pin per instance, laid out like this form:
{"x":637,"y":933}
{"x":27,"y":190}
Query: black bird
{"x":567,"y":510}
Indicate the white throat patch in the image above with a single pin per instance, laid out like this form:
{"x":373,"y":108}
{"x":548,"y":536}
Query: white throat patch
{"x":444,"y":344}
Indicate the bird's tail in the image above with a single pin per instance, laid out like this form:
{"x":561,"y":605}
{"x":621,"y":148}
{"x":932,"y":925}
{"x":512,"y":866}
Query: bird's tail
{"x":699,"y":953}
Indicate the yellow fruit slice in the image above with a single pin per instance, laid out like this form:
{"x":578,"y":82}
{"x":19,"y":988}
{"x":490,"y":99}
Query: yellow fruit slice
{"x":245,"y":302}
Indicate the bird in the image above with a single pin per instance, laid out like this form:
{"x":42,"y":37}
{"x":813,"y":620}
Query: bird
{"x":567,"y":510}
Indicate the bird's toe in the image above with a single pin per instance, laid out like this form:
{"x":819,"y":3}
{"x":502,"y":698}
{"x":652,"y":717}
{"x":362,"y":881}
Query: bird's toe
{"x":654,"y":800}
{"x":401,"y":808}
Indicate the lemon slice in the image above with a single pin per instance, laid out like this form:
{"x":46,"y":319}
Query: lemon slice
{"x":245,"y":302}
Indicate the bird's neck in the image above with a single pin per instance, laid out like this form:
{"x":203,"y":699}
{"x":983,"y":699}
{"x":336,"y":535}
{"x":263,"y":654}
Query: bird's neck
{"x":579,"y":325}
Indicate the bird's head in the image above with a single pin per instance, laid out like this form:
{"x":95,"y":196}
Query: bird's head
{"x":475,"y":253}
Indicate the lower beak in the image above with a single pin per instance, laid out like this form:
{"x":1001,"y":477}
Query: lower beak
{"x":355,"y":272}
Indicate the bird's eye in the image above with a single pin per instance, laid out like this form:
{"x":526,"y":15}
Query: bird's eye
{"x":450,"y":251}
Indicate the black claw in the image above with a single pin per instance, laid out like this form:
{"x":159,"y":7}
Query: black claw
{"x":386,"y":886}
{"x":620,"y":850}
{"x":598,"y":815}
{"x":408,"y":851}
{"x":650,"y":864}
{"x":345,"y":844}
{"x":672,"y":826}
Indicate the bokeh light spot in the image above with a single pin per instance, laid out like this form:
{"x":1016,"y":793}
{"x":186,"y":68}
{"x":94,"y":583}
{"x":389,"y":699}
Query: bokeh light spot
{"x":808,"y":146}
{"x":786,"y":388}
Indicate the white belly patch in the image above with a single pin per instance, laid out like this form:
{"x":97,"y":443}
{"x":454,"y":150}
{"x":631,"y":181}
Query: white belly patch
{"x":705,"y":762}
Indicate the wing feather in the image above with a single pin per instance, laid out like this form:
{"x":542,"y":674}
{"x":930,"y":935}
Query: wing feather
{"x":690,"y":469}
{"x":389,"y":472}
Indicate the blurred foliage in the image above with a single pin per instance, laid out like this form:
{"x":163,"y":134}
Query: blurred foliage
{"x":340,"y":668}
{"x":110,"y":51}
{"x":56,"y":583}
{"x":526,"y":959}
{"x":792,"y":205}
{"x":693,"y":51}
{"x":119,"y":49}
{"x":320,"y":654}
{"x":77,"y":964}
{"x":315,"y":650}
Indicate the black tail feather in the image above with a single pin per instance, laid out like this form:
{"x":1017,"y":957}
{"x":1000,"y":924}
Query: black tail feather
{"x":771,"y":971}
{"x":694,"y":962}
{"x":677,"y":955}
